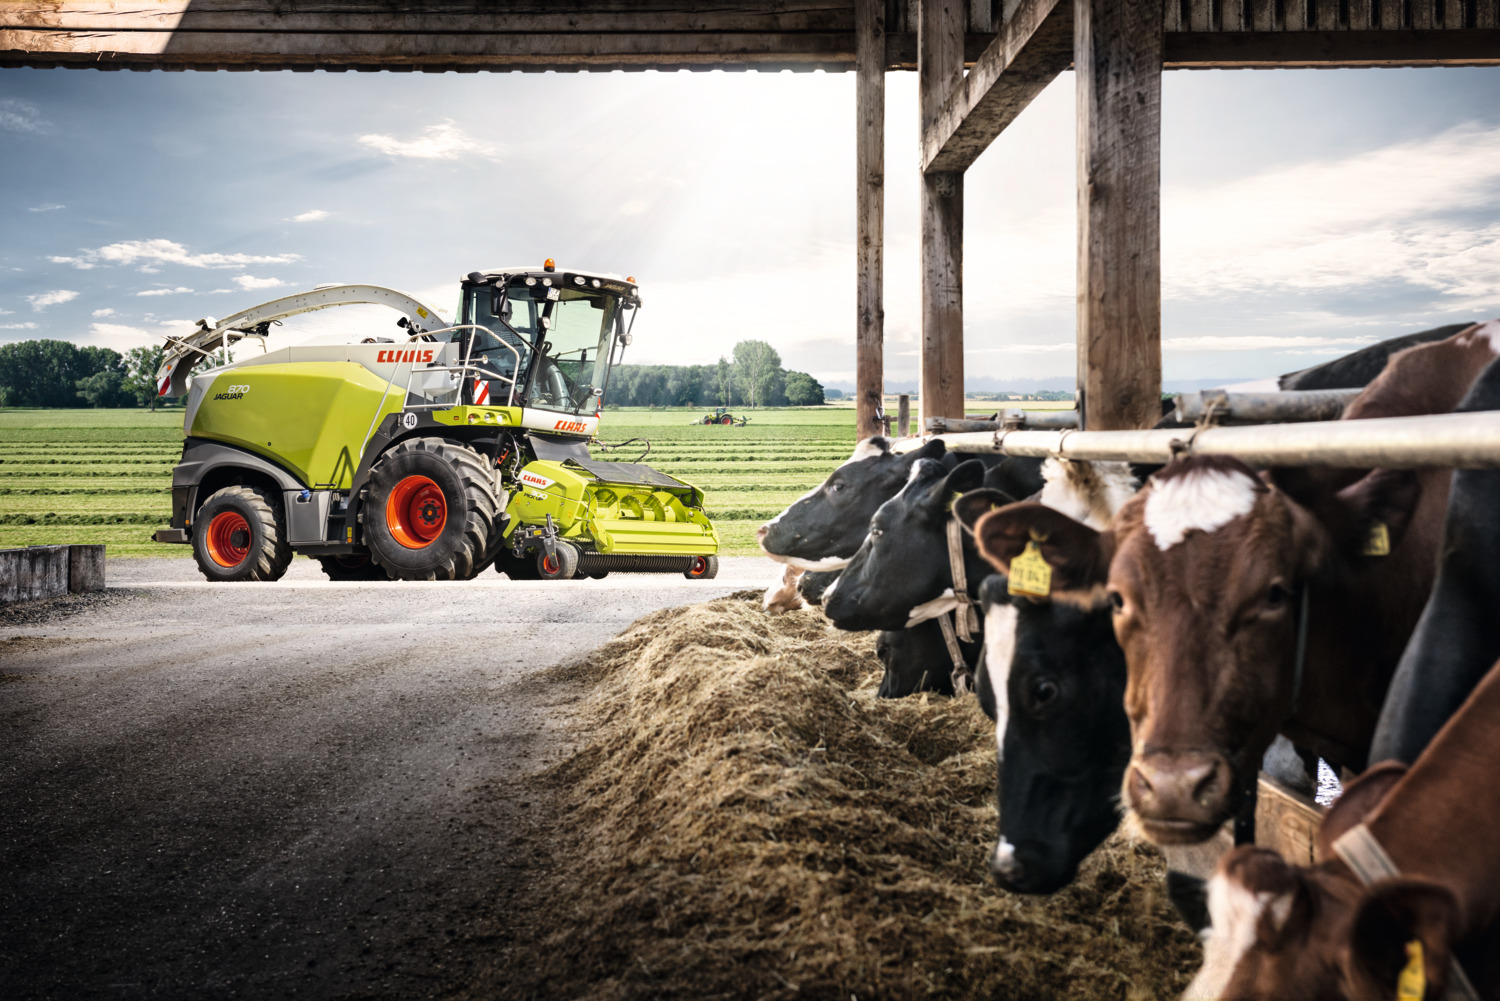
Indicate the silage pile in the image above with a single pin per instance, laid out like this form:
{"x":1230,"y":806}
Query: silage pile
{"x":746,"y":820}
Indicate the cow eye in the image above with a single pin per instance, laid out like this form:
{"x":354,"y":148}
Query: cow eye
{"x":1042,"y":693}
{"x":1277,"y":595}
{"x":1118,"y":600}
{"x":876,"y":533}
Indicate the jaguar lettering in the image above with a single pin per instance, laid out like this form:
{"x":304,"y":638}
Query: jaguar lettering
{"x":232,"y":393}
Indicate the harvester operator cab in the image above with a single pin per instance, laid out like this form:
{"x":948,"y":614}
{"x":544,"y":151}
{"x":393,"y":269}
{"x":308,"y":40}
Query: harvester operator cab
{"x":562,"y":328}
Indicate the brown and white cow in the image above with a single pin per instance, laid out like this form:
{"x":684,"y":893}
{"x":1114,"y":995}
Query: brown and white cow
{"x":1208,"y":567}
{"x":1282,"y":931}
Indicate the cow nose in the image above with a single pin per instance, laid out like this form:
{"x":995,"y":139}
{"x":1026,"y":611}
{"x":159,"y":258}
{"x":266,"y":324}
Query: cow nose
{"x":1004,"y":864}
{"x":1185,"y":788}
{"x":760,"y":533}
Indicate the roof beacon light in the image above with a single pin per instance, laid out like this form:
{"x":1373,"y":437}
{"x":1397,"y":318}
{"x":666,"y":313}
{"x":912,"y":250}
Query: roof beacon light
{"x":631,"y":279}
{"x":549,"y":265}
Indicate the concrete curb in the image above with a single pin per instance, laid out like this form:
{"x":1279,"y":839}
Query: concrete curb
{"x":48,"y":571}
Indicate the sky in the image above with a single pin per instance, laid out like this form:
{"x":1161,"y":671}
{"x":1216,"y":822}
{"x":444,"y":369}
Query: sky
{"x":1305,"y":212}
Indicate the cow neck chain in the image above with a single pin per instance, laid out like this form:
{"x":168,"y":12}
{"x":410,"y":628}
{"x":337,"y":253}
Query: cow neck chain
{"x":1367,"y":858}
{"x":964,"y":616}
{"x":963,"y":622}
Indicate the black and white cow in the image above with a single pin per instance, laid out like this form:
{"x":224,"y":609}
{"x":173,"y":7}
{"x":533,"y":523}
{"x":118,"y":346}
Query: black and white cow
{"x":1357,"y":369}
{"x":1457,"y":639}
{"x":825,"y":526}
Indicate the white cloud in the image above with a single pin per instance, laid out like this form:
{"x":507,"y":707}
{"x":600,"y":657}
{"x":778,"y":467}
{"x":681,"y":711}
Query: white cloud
{"x":166,"y":252}
{"x":443,"y":141}
{"x":1022,"y":349}
{"x":18,"y":116}
{"x":18,"y":326}
{"x":315,"y":215}
{"x":46,"y":208}
{"x":121,"y":337}
{"x":41,"y":300}
{"x":1376,"y":218}
{"x":106,"y":311}
{"x":165,"y":291}
{"x":248,"y":282}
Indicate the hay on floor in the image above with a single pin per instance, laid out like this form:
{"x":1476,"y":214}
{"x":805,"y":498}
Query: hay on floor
{"x":746,"y":820}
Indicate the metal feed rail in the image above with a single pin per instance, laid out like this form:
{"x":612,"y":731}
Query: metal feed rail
{"x":1452,"y":441}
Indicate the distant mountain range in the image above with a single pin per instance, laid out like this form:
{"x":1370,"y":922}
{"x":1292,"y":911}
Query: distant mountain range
{"x":1059,"y":383}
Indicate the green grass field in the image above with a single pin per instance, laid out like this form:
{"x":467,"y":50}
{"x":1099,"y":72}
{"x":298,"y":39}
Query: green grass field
{"x":83,"y":476}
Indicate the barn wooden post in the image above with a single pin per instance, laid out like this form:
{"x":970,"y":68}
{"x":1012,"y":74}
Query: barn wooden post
{"x":1117,"y":52}
{"x":869,"y":334}
{"x":940,"y":68}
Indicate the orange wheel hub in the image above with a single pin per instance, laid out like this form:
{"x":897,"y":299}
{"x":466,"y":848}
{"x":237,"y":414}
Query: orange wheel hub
{"x":228,"y":539}
{"x":700,"y":566}
{"x":550,"y":564}
{"x":416,"y":512}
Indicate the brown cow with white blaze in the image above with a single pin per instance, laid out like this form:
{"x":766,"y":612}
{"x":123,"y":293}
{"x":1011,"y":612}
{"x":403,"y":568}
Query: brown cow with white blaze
{"x":1208,"y":568}
{"x":1281,"y":931}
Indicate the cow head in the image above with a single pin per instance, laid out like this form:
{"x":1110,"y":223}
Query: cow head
{"x":1054,"y":679}
{"x":916,"y":660}
{"x":1208,"y":563}
{"x":903,"y":562}
{"x":823,"y":528}
{"x":1279,"y":931}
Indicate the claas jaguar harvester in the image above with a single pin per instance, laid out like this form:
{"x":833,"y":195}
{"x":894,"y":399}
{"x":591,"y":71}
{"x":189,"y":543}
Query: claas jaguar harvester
{"x":430,"y":453}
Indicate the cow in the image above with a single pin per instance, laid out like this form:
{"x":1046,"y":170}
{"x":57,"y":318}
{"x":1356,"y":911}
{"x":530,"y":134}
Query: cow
{"x":1458,"y":635}
{"x":1356,"y":369}
{"x":918,"y":660}
{"x":1357,"y":925}
{"x":902,"y":573}
{"x":823,"y":528}
{"x":1224,"y":583}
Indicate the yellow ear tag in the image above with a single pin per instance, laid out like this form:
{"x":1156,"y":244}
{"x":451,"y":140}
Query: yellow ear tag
{"x":1378,"y":542}
{"x":1030,"y":574}
{"x":1411,"y":985}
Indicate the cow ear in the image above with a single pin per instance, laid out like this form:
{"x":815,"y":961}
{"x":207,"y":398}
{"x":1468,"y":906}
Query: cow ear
{"x":1359,"y":797}
{"x":965,"y":477}
{"x":934,"y":449}
{"x":1077,"y":555}
{"x":1401,"y":935}
{"x":972,"y":506}
{"x":1376,"y":510}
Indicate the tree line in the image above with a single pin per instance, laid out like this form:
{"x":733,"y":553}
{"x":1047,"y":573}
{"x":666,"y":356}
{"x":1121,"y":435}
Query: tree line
{"x":62,"y":374}
{"x":754,"y":377}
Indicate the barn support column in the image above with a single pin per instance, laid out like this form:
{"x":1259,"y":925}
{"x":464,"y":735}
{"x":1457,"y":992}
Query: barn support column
{"x":869,"y":334}
{"x":940,"y":69}
{"x":1117,"y":53}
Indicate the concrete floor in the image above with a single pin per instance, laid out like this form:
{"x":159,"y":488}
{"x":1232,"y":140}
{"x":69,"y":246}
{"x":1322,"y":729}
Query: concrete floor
{"x":299,"y":789}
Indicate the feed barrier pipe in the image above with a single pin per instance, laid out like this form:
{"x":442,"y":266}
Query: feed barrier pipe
{"x":1444,"y":441}
{"x":1262,"y":408}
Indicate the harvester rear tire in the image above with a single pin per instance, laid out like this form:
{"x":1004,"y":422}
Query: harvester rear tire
{"x":239,"y":534}
{"x":562,"y":565}
{"x":354,"y":566}
{"x":429,"y":510}
{"x":703,"y":568}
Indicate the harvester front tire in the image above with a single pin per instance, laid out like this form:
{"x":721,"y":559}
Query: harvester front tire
{"x":429,"y":510}
{"x":703,"y":568}
{"x":239,"y":534}
{"x":354,"y":566}
{"x":562,"y":565}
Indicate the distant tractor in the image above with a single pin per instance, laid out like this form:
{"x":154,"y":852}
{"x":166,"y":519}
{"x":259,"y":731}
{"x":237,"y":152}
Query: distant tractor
{"x":721,"y":415}
{"x":430,"y":454}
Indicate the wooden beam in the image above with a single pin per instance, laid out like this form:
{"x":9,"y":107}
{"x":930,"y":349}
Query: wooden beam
{"x":869,"y":147}
{"x":1118,"y":59}
{"x":1030,"y":51}
{"x":940,"y":67}
{"x":1291,"y":49}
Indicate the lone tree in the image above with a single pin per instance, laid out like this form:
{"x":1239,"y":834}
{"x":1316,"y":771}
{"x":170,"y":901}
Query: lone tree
{"x":726,"y":382}
{"x":756,"y":362}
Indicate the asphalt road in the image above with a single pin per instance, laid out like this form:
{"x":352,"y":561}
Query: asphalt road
{"x":301,"y":789}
